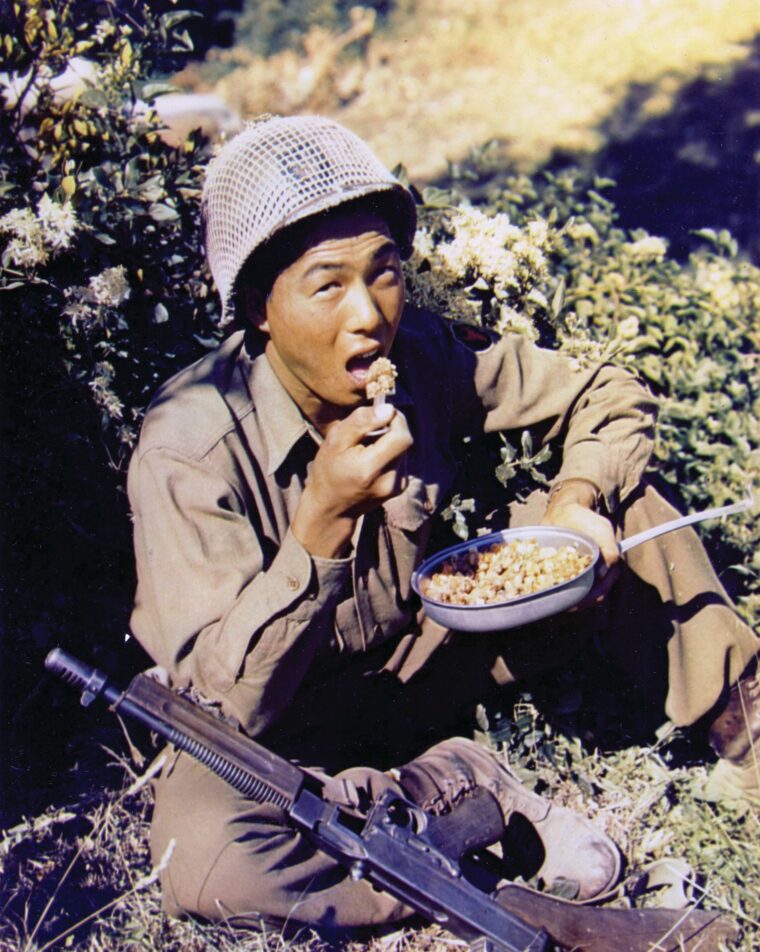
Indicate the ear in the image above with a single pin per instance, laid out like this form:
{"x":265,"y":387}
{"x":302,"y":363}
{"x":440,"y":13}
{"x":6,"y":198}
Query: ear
{"x":254,"y":307}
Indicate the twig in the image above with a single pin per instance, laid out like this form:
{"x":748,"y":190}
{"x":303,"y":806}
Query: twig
{"x":98,"y":824}
{"x":140,"y":884}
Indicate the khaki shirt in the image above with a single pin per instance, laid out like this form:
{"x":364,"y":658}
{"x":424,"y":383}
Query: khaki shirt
{"x":228,"y":599}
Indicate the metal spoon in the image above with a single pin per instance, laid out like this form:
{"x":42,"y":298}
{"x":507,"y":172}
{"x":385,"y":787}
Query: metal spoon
{"x":664,"y":527}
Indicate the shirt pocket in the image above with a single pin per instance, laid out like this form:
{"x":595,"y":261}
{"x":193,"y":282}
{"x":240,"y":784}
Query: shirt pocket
{"x":407,"y":530}
{"x":412,"y":508}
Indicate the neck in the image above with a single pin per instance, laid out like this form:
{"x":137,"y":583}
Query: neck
{"x":320,"y":414}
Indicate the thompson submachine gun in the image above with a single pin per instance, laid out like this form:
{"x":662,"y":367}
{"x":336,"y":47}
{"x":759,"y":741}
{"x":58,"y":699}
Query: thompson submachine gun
{"x":421,"y":859}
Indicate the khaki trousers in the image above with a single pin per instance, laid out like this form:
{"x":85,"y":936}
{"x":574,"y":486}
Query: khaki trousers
{"x":668,"y":623}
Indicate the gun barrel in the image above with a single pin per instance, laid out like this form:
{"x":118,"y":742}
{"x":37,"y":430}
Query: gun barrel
{"x":390,"y":855}
{"x":252,"y":769}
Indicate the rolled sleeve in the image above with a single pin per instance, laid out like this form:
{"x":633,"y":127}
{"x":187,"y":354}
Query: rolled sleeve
{"x":601,"y":416}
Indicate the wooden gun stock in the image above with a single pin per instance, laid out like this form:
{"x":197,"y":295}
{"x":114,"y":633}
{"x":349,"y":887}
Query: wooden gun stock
{"x":605,"y":929}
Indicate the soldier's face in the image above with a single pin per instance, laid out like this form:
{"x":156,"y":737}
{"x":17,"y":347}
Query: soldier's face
{"x":332,"y":312}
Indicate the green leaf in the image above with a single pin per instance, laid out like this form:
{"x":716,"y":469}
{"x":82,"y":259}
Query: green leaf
{"x":707,"y":233}
{"x":437,"y":197}
{"x":162,"y":213}
{"x":169,"y":20}
{"x":151,"y":91}
{"x":558,"y":298}
{"x":94,"y":98}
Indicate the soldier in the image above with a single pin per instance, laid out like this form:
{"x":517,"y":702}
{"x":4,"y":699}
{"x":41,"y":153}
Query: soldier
{"x":276,"y":533}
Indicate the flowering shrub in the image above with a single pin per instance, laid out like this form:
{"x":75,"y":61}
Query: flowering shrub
{"x":544,"y":258}
{"x":103,"y":295}
{"x":99,"y":254}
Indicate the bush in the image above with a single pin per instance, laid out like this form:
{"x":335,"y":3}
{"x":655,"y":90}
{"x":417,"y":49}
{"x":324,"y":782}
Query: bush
{"x":103,"y":296}
{"x":543,"y":257}
{"x":100,"y":218}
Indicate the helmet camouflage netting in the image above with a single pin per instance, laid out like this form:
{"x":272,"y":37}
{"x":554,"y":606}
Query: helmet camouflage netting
{"x":281,"y":170}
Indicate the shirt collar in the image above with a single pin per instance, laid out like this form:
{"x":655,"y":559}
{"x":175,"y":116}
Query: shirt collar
{"x":281,"y":421}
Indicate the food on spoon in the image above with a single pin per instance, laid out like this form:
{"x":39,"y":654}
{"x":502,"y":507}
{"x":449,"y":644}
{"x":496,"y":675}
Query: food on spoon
{"x":381,"y":378}
{"x":504,"y":571}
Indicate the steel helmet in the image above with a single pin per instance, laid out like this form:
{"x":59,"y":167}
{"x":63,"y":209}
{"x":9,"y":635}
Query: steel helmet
{"x":280,"y":170}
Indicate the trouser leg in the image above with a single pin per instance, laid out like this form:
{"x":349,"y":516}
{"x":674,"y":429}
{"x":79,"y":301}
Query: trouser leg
{"x":240,"y":861}
{"x":668,"y":623}
{"x":670,"y":612}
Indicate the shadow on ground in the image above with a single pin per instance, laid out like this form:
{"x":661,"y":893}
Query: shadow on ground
{"x":695,"y":165}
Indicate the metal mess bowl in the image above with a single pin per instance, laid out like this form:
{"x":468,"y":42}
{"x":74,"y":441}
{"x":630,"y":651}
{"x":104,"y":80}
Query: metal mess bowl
{"x":515,"y":612}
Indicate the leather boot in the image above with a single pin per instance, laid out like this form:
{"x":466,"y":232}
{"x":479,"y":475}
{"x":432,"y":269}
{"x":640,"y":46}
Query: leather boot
{"x":570,"y":846}
{"x":736,"y":729}
{"x":734,"y":735}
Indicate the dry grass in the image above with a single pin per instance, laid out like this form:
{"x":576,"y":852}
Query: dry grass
{"x":80,"y":877}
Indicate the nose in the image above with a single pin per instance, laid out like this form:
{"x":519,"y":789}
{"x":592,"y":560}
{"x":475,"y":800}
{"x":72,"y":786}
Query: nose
{"x":364,"y":313}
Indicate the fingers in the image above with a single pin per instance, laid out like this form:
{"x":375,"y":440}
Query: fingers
{"x":598,"y":528}
{"x":364,"y":421}
{"x":382,"y":459}
{"x":352,"y":472}
{"x":360,"y":430}
{"x":609,"y":552}
{"x":606,"y":576}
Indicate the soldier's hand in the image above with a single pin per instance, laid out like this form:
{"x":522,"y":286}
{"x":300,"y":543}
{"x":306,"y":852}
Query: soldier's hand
{"x":572,"y":510}
{"x":352,"y":473}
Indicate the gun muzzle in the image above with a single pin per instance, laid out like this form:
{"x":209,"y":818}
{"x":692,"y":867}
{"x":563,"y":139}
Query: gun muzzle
{"x":90,"y":681}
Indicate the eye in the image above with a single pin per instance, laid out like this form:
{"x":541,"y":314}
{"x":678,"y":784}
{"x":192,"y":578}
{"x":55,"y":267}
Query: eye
{"x":388,"y":272}
{"x":326,"y":288}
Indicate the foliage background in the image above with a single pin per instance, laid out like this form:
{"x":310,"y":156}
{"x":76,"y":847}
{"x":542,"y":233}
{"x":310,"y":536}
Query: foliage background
{"x":104,"y":293}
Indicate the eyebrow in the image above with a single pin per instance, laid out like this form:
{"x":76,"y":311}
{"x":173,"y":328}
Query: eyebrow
{"x":388,"y":247}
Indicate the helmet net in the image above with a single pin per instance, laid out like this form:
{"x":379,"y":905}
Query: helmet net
{"x":278,"y":171}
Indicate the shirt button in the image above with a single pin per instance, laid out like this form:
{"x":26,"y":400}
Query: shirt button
{"x":292,"y":583}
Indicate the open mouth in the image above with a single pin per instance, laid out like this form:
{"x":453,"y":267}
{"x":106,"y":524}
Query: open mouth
{"x":358,"y":366}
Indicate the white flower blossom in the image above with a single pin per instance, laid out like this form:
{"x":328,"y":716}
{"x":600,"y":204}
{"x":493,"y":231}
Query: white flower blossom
{"x":24,"y":254}
{"x":21,"y":223}
{"x":424,"y":246}
{"x":515,"y":322}
{"x":59,"y":222}
{"x":483,"y":261}
{"x":717,"y":278}
{"x":109,"y":288}
{"x":78,"y":309}
{"x":538,"y":232}
{"x":649,"y":248}
{"x":582,"y":231}
{"x":103,"y":30}
{"x":628,"y":328}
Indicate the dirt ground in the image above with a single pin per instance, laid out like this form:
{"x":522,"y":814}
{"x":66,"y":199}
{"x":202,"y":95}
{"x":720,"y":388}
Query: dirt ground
{"x":544,"y":76}
{"x":539,"y":75}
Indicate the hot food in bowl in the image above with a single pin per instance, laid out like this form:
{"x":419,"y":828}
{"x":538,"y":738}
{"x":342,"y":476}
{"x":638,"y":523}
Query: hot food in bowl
{"x":507,"y":579}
